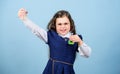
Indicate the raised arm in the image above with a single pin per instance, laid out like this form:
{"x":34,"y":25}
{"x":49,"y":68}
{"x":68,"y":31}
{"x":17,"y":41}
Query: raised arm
{"x":38,"y":31}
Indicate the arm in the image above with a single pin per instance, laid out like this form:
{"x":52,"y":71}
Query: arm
{"x":38,"y":31}
{"x":83,"y":48}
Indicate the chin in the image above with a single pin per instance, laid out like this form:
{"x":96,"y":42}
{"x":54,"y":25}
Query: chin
{"x":63,"y":34}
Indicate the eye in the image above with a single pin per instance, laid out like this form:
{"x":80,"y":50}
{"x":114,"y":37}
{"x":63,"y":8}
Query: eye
{"x":59,"y":24}
{"x":65,"y":23}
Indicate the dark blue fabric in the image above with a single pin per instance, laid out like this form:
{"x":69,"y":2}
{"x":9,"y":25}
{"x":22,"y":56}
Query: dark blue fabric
{"x":60,"y":50}
{"x":59,"y":68}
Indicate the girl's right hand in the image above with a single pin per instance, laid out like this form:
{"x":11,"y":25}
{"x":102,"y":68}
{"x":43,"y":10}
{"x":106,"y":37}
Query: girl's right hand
{"x":22,"y":13}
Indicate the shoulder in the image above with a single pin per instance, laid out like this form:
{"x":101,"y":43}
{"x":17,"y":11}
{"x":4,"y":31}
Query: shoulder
{"x":51,"y":32}
{"x":80,"y":37}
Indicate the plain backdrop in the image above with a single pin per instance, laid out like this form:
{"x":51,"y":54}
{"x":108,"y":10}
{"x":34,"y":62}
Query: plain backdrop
{"x":21,"y":52}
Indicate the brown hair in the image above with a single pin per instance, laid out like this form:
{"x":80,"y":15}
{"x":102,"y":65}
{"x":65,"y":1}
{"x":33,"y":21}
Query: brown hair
{"x":59,"y":14}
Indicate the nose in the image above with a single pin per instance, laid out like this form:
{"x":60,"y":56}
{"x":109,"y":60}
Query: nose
{"x":62,"y":25}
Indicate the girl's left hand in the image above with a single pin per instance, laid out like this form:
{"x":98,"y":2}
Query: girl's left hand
{"x":76,"y":38}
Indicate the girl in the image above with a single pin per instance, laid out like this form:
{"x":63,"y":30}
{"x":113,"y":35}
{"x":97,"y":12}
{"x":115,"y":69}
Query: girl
{"x":62,"y":40}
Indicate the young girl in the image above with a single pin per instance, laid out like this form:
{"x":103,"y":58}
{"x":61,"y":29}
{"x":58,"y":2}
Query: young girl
{"x":62,"y":40}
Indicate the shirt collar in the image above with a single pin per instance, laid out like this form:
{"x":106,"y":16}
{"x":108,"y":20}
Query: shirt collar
{"x":67,"y":35}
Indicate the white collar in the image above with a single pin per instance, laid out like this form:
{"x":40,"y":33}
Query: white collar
{"x":67,"y":35}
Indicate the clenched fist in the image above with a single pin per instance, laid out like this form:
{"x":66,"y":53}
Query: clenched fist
{"x":22,"y":13}
{"x":76,"y":38}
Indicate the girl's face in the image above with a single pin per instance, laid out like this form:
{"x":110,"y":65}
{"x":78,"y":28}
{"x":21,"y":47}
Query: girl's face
{"x":62,"y":25}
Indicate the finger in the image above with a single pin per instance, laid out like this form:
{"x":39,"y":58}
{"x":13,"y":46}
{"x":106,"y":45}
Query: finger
{"x":22,"y":13}
{"x":22,"y":9}
{"x":72,"y":39}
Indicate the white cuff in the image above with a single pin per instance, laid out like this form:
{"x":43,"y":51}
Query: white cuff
{"x":84,"y":50}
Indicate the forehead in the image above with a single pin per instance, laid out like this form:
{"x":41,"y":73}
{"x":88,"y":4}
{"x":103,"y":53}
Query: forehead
{"x":62,"y":19}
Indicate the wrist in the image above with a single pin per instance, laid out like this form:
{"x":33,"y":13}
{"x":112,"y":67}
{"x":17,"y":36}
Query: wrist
{"x":80,"y":43}
{"x":23,"y":18}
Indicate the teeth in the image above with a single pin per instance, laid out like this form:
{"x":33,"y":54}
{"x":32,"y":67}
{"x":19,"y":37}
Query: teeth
{"x":63,"y":30}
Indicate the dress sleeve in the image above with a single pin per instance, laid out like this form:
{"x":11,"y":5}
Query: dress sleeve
{"x":38,"y":31}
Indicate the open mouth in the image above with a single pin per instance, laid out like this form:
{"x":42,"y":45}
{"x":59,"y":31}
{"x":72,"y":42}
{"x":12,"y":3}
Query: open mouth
{"x":63,"y":30}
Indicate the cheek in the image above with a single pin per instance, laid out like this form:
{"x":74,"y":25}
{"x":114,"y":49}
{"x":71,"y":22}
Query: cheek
{"x":69,"y":28}
{"x":57,"y":28}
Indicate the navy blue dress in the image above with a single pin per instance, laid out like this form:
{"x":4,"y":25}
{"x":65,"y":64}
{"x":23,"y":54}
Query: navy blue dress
{"x":62,"y":55}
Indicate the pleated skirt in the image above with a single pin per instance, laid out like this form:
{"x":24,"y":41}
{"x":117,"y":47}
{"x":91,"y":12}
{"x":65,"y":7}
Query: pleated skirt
{"x":56,"y":67}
